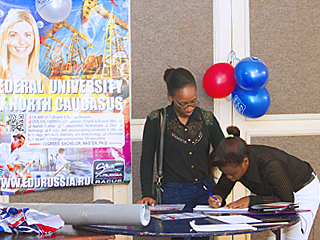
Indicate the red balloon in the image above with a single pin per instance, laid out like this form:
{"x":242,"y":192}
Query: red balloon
{"x":218,"y":81}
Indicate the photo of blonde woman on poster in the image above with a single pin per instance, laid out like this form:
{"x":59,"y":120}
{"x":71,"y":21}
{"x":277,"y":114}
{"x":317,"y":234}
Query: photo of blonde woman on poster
{"x":19,"y":48}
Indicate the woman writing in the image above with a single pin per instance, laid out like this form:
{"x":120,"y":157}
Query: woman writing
{"x":189,"y":133}
{"x":270,"y":174}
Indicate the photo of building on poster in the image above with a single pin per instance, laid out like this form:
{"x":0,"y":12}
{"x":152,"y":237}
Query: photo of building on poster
{"x":64,"y":95}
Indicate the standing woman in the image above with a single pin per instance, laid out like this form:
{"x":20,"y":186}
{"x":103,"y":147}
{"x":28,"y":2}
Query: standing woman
{"x":19,"y":48}
{"x":189,"y":133}
{"x":272,"y":175}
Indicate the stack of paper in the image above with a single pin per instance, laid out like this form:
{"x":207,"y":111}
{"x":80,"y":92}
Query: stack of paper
{"x":275,"y":207}
{"x":220,"y":227}
{"x":208,"y":209}
{"x":235,"y":219}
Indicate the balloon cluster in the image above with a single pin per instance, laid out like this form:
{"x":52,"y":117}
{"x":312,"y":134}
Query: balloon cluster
{"x":250,"y":97}
{"x":246,"y":82}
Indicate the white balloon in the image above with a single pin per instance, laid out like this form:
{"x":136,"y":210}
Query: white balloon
{"x":54,"y":11}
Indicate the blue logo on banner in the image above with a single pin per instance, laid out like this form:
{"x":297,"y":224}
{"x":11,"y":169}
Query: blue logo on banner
{"x":108,"y":171}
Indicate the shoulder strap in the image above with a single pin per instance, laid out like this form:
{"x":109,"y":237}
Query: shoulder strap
{"x":162,"y":127}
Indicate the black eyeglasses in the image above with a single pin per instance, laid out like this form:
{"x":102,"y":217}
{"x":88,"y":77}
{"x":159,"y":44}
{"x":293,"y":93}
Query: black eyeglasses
{"x":186,"y":105}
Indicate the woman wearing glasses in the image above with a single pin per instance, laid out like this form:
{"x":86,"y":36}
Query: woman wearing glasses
{"x":189,"y":133}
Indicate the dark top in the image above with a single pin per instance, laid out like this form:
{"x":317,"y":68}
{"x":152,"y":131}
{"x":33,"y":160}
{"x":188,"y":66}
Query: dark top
{"x":273,"y":175}
{"x":186,"y":147}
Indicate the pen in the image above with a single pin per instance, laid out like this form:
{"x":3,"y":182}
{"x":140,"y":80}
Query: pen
{"x":205,"y":188}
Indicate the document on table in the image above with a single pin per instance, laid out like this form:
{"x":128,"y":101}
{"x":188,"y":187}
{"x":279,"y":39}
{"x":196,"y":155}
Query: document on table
{"x":178,"y":216}
{"x":208,"y":209}
{"x":167,"y":207}
{"x":236,"y":219}
{"x":220,"y":227}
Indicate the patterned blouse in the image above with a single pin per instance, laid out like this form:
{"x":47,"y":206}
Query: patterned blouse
{"x":186,"y":147}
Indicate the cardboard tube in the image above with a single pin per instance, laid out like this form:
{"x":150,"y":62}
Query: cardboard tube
{"x":92,"y":214}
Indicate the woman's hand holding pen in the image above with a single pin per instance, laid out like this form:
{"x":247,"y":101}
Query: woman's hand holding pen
{"x":215,"y":203}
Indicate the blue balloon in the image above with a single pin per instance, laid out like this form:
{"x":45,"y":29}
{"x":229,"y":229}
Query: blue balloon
{"x":251,"y":74}
{"x":251,"y":104}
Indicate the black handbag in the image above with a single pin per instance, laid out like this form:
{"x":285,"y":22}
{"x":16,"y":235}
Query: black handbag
{"x":158,"y":183}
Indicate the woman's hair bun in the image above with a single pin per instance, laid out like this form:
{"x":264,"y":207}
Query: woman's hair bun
{"x":233,"y":130}
{"x":167,"y":72}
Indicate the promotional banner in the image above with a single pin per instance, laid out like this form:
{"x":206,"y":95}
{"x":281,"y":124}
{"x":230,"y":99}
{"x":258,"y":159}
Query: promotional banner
{"x":64,"y":94}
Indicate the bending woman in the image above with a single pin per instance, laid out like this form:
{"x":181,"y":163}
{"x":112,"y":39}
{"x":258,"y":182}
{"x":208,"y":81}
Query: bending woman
{"x":189,"y":133}
{"x":272,"y":175}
